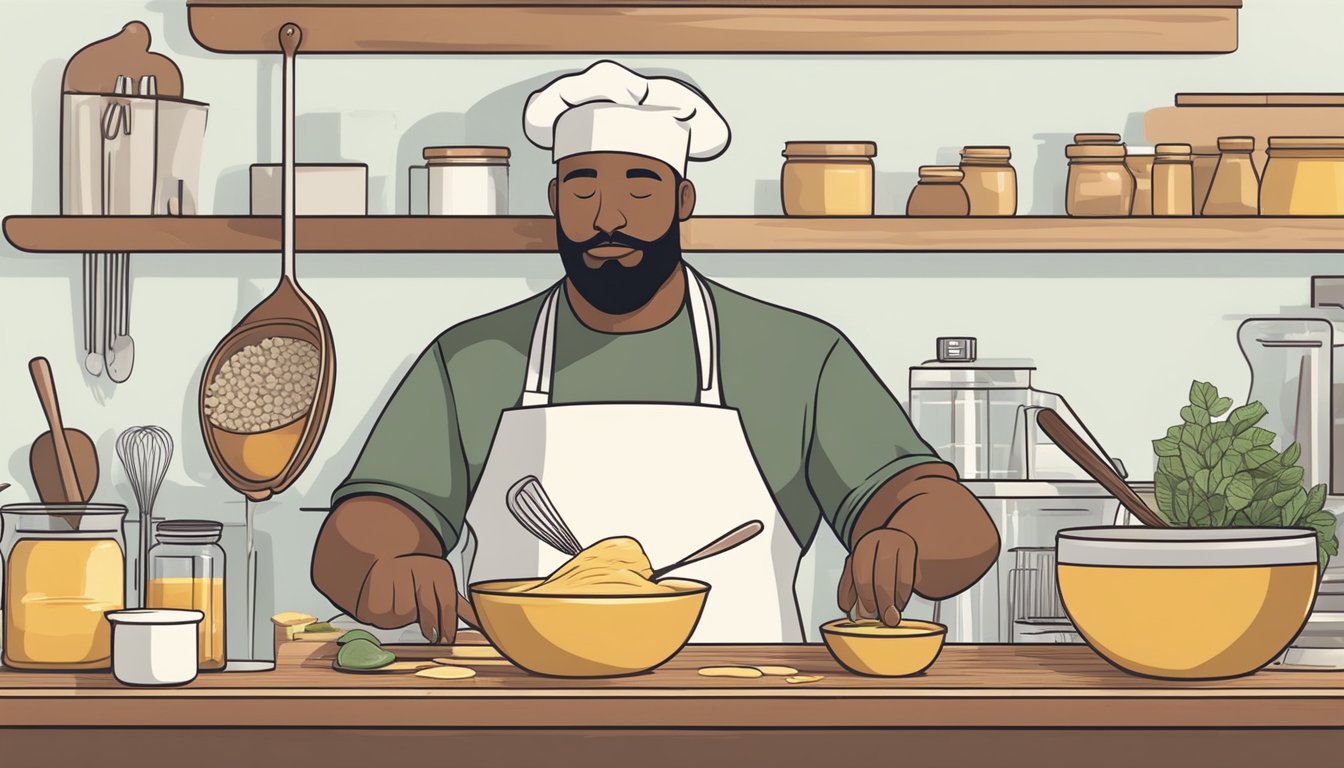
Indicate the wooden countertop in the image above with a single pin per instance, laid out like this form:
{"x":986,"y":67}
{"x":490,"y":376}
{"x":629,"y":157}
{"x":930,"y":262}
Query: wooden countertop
{"x":1027,"y":686}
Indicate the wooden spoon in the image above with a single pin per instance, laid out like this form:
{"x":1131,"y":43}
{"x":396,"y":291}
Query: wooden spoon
{"x":1095,"y":466}
{"x":64,"y":462}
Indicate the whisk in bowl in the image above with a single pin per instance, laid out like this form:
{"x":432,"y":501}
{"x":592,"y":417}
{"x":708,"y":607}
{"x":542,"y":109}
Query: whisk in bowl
{"x":145,"y":452}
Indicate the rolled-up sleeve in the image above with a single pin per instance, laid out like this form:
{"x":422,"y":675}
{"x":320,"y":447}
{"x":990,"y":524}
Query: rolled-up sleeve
{"x":861,"y":437}
{"x":414,"y":453}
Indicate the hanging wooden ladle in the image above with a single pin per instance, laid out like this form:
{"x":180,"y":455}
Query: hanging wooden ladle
{"x":261,"y":464}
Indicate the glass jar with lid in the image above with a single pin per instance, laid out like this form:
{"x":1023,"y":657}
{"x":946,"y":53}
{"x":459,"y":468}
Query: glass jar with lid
{"x":827,"y":178}
{"x":1173,"y":181}
{"x":1100,"y":183}
{"x":64,"y":569}
{"x":990,"y":181}
{"x":1235,"y":190}
{"x":186,"y":572}
{"x":938,"y":193}
{"x":1304,"y":176}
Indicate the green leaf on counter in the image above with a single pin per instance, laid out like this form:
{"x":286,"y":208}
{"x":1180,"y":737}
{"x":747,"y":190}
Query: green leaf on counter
{"x":363,"y":654}
{"x":357,"y":634}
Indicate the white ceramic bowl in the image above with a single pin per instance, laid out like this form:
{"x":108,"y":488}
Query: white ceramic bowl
{"x":154,"y":646}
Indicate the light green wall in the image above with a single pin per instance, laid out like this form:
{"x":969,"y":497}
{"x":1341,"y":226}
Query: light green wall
{"x":1120,"y":335}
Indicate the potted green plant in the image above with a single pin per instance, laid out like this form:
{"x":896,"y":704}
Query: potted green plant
{"x":1224,"y":473}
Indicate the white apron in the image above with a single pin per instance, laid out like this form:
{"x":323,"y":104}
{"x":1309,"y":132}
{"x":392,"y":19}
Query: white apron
{"x":673,"y":476}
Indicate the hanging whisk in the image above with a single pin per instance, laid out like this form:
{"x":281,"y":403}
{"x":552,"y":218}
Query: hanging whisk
{"x":145,"y":453}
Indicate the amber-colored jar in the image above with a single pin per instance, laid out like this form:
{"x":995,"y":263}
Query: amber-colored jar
{"x":938,"y":193}
{"x":1173,"y":181}
{"x":1235,"y":190}
{"x":1099,"y":182}
{"x":1096,"y":138}
{"x":1304,"y":177}
{"x":828,"y":179}
{"x":1203,"y":163}
{"x":989,"y":180}
{"x":1139,"y":161}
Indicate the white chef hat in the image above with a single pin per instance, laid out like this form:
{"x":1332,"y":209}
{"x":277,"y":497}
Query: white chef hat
{"x":608,"y":108}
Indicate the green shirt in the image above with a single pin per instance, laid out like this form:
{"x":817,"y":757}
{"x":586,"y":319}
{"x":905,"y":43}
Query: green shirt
{"x":824,"y":429}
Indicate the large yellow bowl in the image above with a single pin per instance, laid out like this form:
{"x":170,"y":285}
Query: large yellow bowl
{"x":1188,"y":603}
{"x":588,"y":635}
{"x":882,"y":651}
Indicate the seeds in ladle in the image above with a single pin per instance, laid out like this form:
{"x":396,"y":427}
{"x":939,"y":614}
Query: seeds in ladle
{"x":263,"y":386}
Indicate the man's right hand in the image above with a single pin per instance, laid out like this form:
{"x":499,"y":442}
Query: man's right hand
{"x":379,"y":561}
{"x":411,"y":588}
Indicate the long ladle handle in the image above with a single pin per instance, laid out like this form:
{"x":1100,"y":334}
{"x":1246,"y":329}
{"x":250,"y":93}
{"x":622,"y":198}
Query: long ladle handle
{"x":40,"y":370}
{"x":1095,"y":466}
{"x":739,"y":535}
{"x":290,"y":37}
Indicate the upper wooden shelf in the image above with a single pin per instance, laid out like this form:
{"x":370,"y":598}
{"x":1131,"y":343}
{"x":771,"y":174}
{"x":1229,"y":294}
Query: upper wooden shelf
{"x":702,"y":234}
{"x":720,"y":26}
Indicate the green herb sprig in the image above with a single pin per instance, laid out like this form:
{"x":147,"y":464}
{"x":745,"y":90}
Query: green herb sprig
{"x":1217,"y":474}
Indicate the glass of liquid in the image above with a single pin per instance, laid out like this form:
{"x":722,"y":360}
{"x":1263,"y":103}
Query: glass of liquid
{"x":186,"y":571}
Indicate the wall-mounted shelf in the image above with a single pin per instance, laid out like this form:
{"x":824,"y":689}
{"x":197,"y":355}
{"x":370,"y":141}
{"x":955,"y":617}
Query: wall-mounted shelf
{"x":721,"y":26}
{"x":702,"y":234}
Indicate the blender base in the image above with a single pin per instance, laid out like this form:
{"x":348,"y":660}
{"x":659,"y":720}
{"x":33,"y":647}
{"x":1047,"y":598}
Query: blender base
{"x":243,"y":665}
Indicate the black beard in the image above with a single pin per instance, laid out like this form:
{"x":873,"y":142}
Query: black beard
{"x":611,"y":287}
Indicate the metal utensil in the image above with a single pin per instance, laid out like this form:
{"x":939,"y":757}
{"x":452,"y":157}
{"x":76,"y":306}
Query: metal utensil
{"x":738,"y":536}
{"x":117,"y":113}
{"x":121,"y":351}
{"x":532,"y":508}
{"x":145,"y":453}
{"x":1095,"y":466}
{"x":93,"y":361}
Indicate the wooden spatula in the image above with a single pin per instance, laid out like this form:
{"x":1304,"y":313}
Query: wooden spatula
{"x":1095,"y":466}
{"x":64,"y":462}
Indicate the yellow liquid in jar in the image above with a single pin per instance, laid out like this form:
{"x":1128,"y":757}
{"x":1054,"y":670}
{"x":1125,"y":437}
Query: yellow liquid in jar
{"x":204,"y":595}
{"x":55,"y":594}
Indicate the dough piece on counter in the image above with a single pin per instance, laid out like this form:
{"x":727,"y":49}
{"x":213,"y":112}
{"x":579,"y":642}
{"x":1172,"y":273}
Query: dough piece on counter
{"x":730,"y":672}
{"x":405,"y":666}
{"x":777,"y":671}
{"x":798,"y":679}
{"x":475,"y":652}
{"x":447,"y":673}
{"x":474,"y":662}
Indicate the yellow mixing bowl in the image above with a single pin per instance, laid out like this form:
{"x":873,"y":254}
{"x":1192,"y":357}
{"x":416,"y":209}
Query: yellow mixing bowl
{"x":588,"y":635}
{"x":883,"y":651}
{"x":1188,"y":603}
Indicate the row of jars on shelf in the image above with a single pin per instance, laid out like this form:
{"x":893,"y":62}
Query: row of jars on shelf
{"x":1303,"y":177}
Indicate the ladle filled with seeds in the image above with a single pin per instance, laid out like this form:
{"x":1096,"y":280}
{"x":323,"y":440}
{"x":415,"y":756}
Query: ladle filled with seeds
{"x":266,"y":391}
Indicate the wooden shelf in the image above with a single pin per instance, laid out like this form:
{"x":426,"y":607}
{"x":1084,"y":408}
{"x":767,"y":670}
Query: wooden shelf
{"x":702,"y":234}
{"x":721,"y":26}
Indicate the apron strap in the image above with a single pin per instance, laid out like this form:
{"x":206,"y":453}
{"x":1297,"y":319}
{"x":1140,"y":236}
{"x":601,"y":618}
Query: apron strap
{"x":704,"y":329}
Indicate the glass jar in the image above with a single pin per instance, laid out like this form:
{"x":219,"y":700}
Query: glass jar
{"x":1235,"y":190}
{"x":989,"y":180}
{"x":827,"y":179}
{"x":1099,"y":182}
{"x":186,"y":572}
{"x":939,"y":193}
{"x":466,"y":181}
{"x":1173,"y":181}
{"x":64,"y":569}
{"x":1139,"y":161}
{"x":1304,"y":177}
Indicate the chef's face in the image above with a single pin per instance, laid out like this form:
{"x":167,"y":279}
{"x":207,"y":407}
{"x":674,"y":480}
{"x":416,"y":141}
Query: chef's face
{"x":617,"y":226}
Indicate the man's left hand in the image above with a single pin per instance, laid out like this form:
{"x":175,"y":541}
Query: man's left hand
{"x":880,"y":575}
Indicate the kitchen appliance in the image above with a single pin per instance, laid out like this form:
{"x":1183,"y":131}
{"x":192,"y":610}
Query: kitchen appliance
{"x":981,"y":416}
{"x":327,"y":189}
{"x":1297,"y":373}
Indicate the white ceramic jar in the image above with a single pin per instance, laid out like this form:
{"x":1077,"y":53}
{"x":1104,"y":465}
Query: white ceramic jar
{"x":467,"y":181}
{"x":154,"y":646}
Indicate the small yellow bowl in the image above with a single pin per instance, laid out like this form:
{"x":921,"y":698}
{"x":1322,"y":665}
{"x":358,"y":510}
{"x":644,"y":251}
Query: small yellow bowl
{"x":588,"y":635}
{"x":883,"y":651}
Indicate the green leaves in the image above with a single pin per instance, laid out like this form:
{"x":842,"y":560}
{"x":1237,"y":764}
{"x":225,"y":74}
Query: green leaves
{"x":1226,"y":473}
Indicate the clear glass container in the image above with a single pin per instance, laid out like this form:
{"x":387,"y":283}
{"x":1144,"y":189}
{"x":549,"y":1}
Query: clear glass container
{"x":186,"y":571}
{"x":1235,"y":190}
{"x":64,"y":568}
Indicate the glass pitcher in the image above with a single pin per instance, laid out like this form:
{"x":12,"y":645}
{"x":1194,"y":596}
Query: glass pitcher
{"x":64,"y":567}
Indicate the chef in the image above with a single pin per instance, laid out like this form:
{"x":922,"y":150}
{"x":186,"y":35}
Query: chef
{"x":650,"y":402}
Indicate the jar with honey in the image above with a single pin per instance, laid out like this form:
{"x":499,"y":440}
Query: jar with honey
{"x":828,"y":178}
{"x":186,"y":572}
{"x":64,"y":569}
{"x":938,"y":193}
{"x":1304,"y":176}
{"x":990,"y":181}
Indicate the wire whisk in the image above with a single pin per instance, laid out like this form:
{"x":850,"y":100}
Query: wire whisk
{"x":145,"y":452}
{"x":532,"y":508}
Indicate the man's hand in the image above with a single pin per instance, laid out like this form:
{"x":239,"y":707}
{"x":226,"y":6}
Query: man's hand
{"x":420,"y":588}
{"x":880,"y":575}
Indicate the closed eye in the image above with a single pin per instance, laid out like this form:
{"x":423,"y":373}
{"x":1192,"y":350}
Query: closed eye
{"x":585,"y":197}
{"x":640,"y":197}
